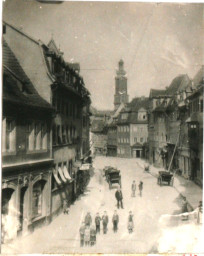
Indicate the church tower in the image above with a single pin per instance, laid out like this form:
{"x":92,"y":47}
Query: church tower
{"x":121,"y":95}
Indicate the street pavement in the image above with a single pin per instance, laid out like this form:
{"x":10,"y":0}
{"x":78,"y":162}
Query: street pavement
{"x":153,"y":232}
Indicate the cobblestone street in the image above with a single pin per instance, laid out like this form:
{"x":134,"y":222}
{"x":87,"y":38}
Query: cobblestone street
{"x":62,"y":235}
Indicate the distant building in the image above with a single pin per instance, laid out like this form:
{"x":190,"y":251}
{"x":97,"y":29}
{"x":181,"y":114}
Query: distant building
{"x":132,"y":129}
{"x":195,"y":127}
{"x":176,"y":127}
{"x":112,"y":132}
{"x":121,"y":95}
{"x":98,"y":137}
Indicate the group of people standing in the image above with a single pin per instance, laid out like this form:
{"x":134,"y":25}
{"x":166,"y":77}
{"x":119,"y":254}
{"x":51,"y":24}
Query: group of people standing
{"x":88,"y":231}
{"x":134,"y":187}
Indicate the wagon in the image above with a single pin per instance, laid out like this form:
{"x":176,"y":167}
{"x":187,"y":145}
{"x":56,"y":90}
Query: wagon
{"x":113,"y":176}
{"x":165,"y":177}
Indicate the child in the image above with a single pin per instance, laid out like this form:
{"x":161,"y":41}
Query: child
{"x":130,"y":222}
{"x":93,"y":236}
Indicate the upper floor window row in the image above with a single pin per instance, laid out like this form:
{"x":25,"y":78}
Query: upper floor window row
{"x":33,"y":135}
{"x":63,"y":106}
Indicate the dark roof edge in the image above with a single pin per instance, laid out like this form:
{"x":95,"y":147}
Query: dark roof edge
{"x":21,"y":32}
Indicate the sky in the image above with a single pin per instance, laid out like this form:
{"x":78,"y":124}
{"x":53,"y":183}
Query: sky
{"x":157,"y":41}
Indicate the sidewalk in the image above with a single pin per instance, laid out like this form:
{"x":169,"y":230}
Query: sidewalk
{"x":184,"y":187}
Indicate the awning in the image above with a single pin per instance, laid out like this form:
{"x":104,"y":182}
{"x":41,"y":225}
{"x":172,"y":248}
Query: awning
{"x":61,"y":174}
{"x":56,"y":176}
{"x":66,"y":173}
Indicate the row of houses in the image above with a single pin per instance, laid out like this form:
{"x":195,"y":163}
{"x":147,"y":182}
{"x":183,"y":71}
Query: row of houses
{"x":45,"y":131}
{"x":165,"y":128}
{"x":176,"y":126}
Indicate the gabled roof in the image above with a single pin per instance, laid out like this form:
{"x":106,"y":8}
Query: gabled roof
{"x":14,"y":74}
{"x":52,"y":46}
{"x":138,"y":103}
{"x":179,"y":83}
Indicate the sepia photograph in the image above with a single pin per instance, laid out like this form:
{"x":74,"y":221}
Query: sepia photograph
{"x":102,"y":127}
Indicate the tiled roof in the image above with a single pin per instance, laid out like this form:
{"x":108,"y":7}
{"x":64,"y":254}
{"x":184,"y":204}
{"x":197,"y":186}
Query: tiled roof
{"x":138,"y":103}
{"x":97,"y":126}
{"x":156,"y":93}
{"x":14,"y":74}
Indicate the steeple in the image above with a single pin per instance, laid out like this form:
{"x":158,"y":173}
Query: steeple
{"x":121,"y":95}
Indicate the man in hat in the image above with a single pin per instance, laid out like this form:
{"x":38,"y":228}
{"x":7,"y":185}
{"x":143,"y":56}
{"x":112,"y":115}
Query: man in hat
{"x":105,"y":222}
{"x":119,"y":198}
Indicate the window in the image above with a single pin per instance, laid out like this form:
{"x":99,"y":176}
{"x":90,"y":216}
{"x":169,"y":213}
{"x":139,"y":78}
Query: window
{"x":201,"y":105}
{"x":10,"y":135}
{"x":124,"y":116}
{"x":44,"y":136}
{"x":54,"y":135}
{"x":141,"y":139}
{"x":37,"y":137}
{"x":144,"y":117}
{"x":30,"y":136}
{"x":128,"y":129}
{"x":59,"y":140}
{"x":135,"y":139}
{"x":64,"y":137}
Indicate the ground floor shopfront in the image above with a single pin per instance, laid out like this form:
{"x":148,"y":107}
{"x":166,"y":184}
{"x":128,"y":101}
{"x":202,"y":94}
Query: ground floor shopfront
{"x":26,"y":198}
{"x":111,"y":150}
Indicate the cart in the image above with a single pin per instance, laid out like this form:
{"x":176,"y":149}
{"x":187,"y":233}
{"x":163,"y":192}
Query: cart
{"x":166,"y":177}
{"x":113,"y":176}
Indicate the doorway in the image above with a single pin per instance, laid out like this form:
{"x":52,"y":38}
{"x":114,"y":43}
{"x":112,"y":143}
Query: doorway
{"x":23,"y":208}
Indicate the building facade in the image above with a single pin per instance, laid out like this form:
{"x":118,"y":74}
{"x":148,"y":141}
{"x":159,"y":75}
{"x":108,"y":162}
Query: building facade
{"x":59,"y":84}
{"x":26,"y":152}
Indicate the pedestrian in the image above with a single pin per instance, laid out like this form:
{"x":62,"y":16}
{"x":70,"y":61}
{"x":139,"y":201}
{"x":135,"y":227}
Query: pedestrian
{"x":105,"y":222}
{"x":115,"y":221}
{"x":87,"y":236}
{"x":65,"y":207}
{"x":81,"y":231}
{"x":92,"y":236}
{"x":200,"y":213}
{"x":141,"y":187}
{"x":133,"y":188}
{"x":130,"y":222}
{"x":184,"y":216}
{"x":119,"y":198}
{"x":97,"y":222}
{"x":88,"y":219}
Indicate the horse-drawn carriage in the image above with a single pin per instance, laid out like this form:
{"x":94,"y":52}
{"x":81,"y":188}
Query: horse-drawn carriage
{"x":165,"y":176}
{"x":112,"y":175}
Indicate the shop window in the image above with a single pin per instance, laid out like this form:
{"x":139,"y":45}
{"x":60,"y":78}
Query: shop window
{"x":38,"y":193}
{"x":10,"y":141}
